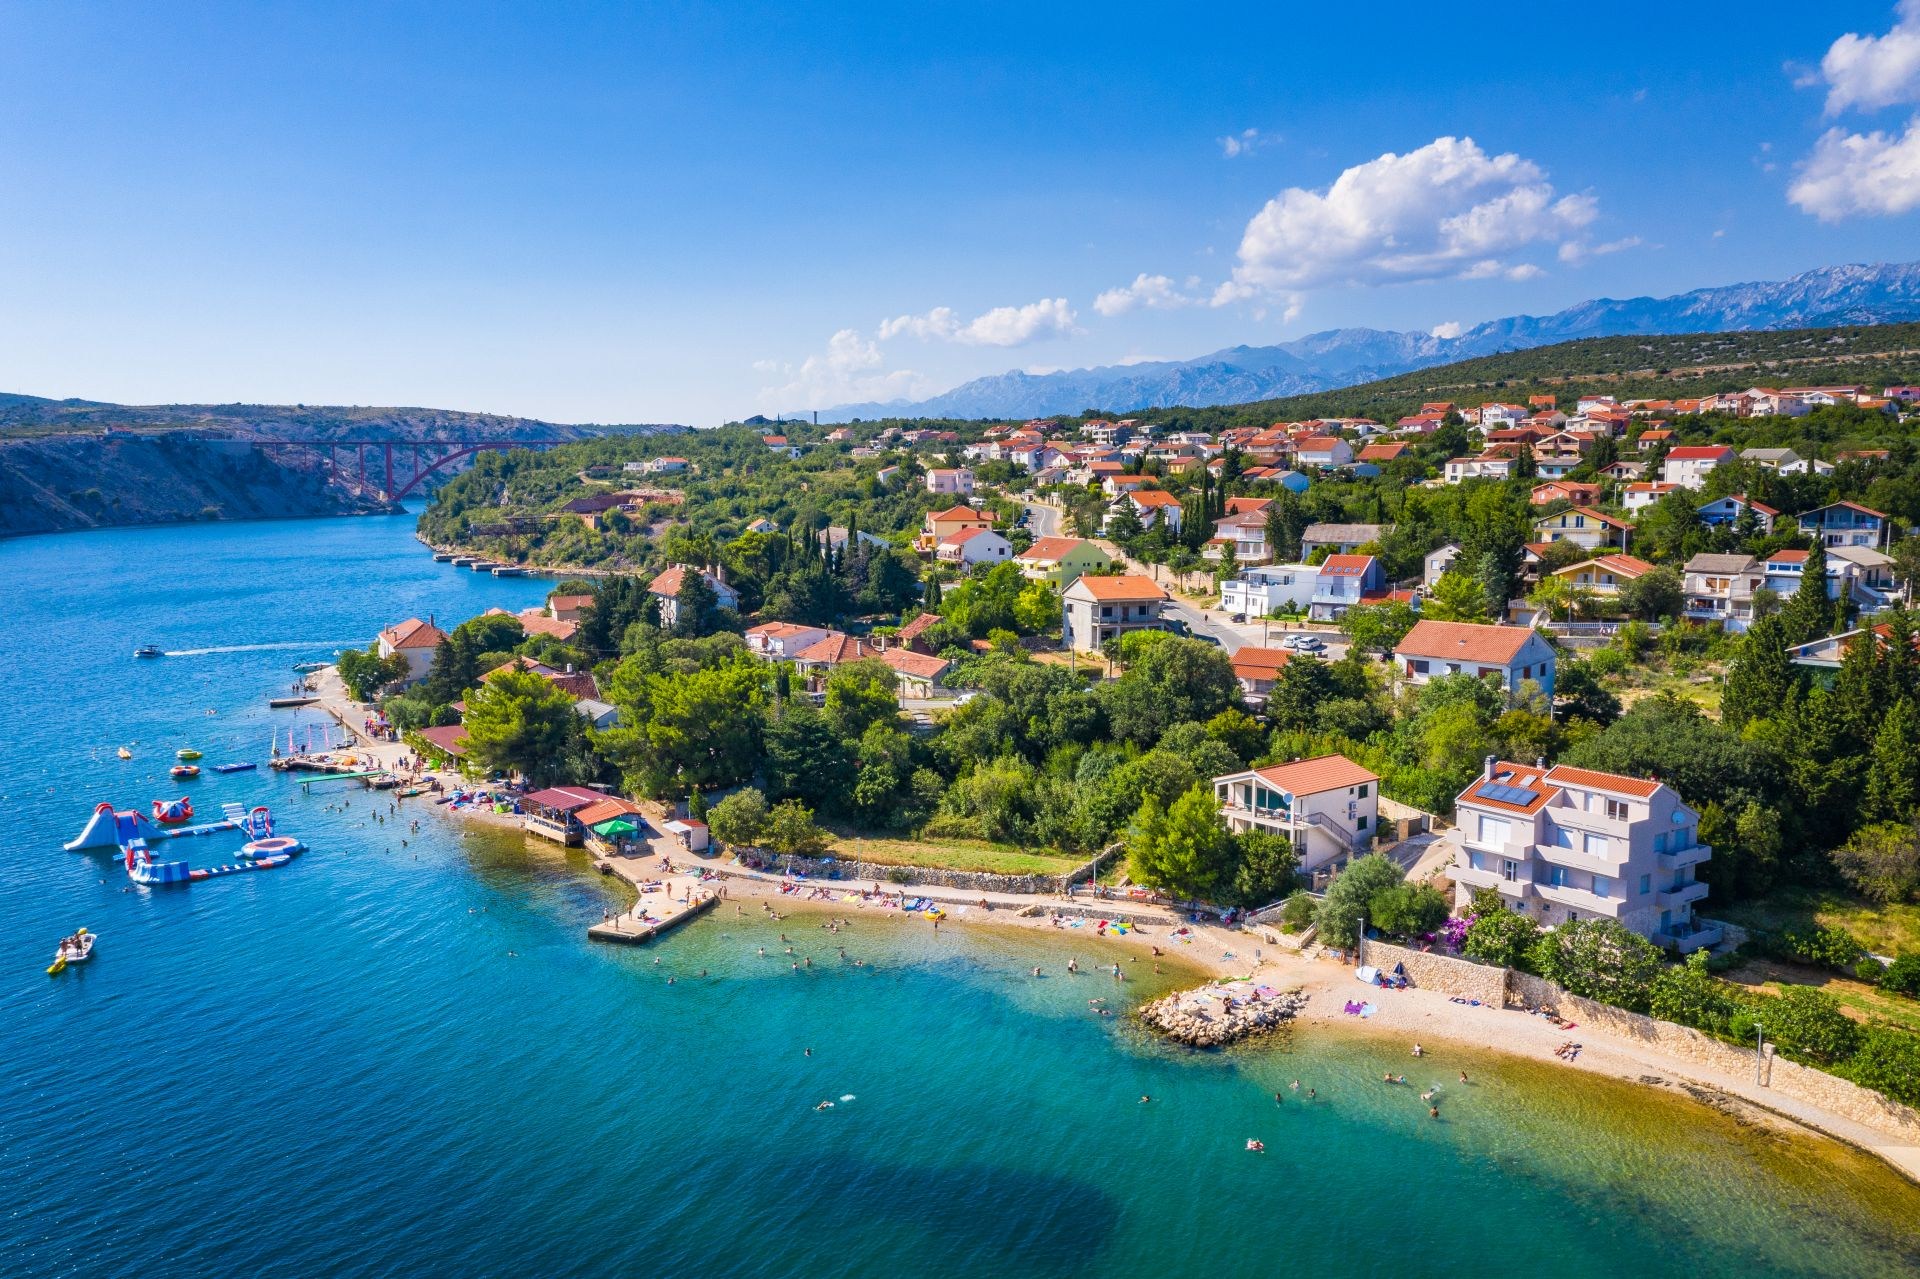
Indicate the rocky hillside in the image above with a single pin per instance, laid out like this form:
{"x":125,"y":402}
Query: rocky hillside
{"x":58,"y":483}
{"x":1883,"y":293}
{"x":76,"y":464}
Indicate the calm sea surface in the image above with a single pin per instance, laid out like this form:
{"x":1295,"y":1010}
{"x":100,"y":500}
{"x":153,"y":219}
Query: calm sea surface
{"x":407,"y":1059}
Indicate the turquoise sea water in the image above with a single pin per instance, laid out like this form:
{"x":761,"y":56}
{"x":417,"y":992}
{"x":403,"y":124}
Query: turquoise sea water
{"x":391,"y":1059}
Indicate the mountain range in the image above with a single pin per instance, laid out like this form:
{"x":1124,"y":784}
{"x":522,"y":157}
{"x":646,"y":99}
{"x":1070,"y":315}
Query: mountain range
{"x":1881,"y":293}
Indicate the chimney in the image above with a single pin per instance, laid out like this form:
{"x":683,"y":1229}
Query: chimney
{"x":1540,"y":762}
{"x":569,"y":668}
{"x":1486,"y":772}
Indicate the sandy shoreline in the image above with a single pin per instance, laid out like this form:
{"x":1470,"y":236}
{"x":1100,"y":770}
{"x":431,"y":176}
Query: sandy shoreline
{"x":1426,"y":1017}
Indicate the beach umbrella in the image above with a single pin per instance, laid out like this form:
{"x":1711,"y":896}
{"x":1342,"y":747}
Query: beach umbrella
{"x":615,"y":826}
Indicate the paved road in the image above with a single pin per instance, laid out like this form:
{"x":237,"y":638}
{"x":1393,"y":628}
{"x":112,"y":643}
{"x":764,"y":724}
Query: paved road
{"x":1043,"y":520}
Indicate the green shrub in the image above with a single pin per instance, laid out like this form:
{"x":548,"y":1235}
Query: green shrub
{"x":1501,"y":936}
{"x":1297,"y":913}
{"x":1888,"y":1061}
{"x":1690,"y":995}
{"x":1803,"y":1022}
{"x":1902,"y":976}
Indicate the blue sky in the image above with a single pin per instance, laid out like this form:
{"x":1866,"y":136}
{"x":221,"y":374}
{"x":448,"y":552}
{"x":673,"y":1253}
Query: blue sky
{"x":687,"y":212}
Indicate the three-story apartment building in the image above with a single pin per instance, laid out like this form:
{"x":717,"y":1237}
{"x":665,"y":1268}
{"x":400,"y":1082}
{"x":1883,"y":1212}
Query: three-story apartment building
{"x":1566,"y":843}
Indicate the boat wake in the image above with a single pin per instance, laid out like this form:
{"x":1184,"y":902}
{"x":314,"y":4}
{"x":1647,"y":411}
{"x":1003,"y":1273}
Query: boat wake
{"x":260,"y":648}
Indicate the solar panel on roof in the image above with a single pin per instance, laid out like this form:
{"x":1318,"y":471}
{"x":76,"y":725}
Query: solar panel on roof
{"x":1507,"y":794}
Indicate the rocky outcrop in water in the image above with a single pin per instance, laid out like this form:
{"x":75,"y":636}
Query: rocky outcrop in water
{"x":1213,"y":1016}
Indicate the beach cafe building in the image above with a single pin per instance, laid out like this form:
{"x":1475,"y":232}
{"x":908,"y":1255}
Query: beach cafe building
{"x":554,"y":813}
{"x":612,"y":824}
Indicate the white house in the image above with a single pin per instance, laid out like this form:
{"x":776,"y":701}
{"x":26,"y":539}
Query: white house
{"x":1102,"y":608}
{"x":1323,"y":451}
{"x":1561,"y":844}
{"x":1514,"y":654}
{"x":783,"y":641}
{"x":973,"y":546}
{"x":1846,"y":524}
{"x":1689,"y":465}
{"x":1328,"y":807}
{"x":1641,"y":494}
{"x":1271,"y":588}
{"x":415,"y":640}
{"x":1729,"y":509}
{"x":666,"y":589}
{"x":956,"y":480}
{"x":1484,"y":467}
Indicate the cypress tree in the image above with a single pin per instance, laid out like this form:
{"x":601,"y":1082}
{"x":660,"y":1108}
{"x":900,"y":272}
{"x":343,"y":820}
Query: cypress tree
{"x":1809,"y":612}
{"x":1860,"y":689}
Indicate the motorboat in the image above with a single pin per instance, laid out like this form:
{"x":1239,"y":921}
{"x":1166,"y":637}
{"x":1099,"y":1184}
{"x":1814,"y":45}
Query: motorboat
{"x":147,"y":650}
{"x":72,"y":950}
{"x":186,"y":752}
{"x":124,"y":753}
{"x":183,"y":772}
{"x":308,"y":668}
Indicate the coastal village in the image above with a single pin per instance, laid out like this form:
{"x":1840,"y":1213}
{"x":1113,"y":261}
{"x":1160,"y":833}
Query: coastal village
{"x":1308,"y":697}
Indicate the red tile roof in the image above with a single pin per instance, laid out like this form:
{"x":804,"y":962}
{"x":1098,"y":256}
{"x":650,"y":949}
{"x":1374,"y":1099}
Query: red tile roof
{"x":1508,"y":778}
{"x":1345,"y":565}
{"x":1465,"y":641}
{"x":918,"y":665}
{"x":1127,"y":587}
{"x":451,"y":738}
{"x":565,"y":799}
{"x":1051,"y":550}
{"x":413,"y":633}
{"x":1312,"y":776}
{"x":1639,"y":787}
{"x":1699,"y":452}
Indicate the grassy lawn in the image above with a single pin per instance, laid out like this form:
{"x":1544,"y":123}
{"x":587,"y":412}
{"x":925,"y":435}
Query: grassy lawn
{"x":1644,"y":683}
{"x":1858,"y":999}
{"x":952,"y":854}
{"x":1884,"y":930}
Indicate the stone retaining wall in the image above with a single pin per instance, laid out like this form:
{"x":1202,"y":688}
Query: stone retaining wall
{"x":1501,"y":986}
{"x":863,"y":874}
{"x":1444,"y":973}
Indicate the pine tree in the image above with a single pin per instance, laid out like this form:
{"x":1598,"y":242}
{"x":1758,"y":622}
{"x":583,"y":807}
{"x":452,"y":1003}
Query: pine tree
{"x":930,"y":598}
{"x":1892,"y":787}
{"x":1761,"y":679}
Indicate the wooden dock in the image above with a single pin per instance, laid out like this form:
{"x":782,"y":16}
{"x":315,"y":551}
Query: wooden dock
{"x":631,"y":930}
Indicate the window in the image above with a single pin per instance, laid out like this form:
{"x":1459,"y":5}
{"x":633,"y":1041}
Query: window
{"x":1616,"y":810}
{"x":1363,"y":790}
{"x":1493,"y":830}
{"x":1596,"y":845}
{"x":1557,"y":876}
{"x":1360,"y":823}
{"x":1510,"y":870}
{"x":1602,"y":886}
{"x":1646,"y":885}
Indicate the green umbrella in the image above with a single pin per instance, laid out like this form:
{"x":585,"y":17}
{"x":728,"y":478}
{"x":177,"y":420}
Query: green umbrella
{"x":616,"y":826}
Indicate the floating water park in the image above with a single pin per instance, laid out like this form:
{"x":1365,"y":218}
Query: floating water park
{"x":131,"y":833}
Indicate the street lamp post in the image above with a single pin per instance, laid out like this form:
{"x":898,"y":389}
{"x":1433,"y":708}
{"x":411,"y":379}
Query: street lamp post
{"x":1759,"y":1049}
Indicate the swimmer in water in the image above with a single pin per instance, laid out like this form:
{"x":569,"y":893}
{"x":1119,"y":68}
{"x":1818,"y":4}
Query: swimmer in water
{"x":1144,"y":1099}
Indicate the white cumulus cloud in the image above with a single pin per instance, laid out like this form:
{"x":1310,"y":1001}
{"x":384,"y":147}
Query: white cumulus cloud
{"x":1002,"y":326}
{"x":851,"y":368}
{"x":1874,"y":173}
{"x":1155,"y":292}
{"x":1447,"y":209}
{"x":1871,"y":72}
{"x":1450,"y":329}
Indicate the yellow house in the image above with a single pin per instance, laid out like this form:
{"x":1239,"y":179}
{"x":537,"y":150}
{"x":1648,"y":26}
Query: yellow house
{"x":944,"y":524}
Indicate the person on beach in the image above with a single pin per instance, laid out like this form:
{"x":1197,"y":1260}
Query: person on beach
{"x":1417,"y":1051}
{"x":1463,"y":1076}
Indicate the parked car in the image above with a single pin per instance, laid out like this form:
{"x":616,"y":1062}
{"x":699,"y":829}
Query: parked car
{"x":1304,"y":643}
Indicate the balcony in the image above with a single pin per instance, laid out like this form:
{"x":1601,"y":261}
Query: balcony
{"x":1574,"y":859}
{"x":1680,"y":894}
{"x":1518,"y":889}
{"x":1680,"y":858}
{"x":1579,"y":899}
{"x":1690,"y":936}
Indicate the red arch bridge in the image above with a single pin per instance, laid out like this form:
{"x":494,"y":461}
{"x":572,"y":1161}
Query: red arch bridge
{"x":396,"y":467}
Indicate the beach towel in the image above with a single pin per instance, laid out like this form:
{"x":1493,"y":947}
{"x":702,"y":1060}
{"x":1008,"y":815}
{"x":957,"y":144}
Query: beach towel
{"x":1366,"y":1010}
